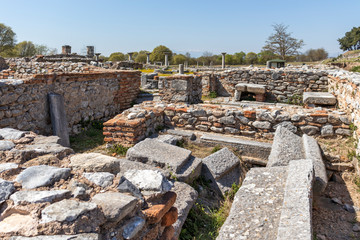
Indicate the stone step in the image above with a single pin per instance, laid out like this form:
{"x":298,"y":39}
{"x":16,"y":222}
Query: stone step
{"x":190,"y":171}
{"x":248,"y":148}
{"x":159,"y":154}
{"x":222,"y":169}
{"x":256,"y":210}
{"x":288,"y":146}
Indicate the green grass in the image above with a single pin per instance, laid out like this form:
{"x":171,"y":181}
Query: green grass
{"x":355,"y":69}
{"x":203,"y":223}
{"x":216,"y":148}
{"x":119,"y":149}
{"x":89,"y":138}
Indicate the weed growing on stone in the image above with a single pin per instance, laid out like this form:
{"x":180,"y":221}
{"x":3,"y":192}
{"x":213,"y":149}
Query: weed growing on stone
{"x":205,"y":223}
{"x":355,"y":69}
{"x":118,"y":149}
{"x":295,"y":99}
{"x":216,"y":148}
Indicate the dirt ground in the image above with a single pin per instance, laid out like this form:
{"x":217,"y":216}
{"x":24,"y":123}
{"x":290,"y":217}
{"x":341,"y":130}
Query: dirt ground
{"x":331,"y":221}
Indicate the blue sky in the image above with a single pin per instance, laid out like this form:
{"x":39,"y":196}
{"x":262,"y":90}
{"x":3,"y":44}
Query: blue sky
{"x":194,"y":26}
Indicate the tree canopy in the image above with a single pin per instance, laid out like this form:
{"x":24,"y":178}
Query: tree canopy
{"x":158,"y":54}
{"x":282,"y":43}
{"x":25,"y":49}
{"x":351,"y":40}
{"x":116,"y":56}
{"x":7,"y":38}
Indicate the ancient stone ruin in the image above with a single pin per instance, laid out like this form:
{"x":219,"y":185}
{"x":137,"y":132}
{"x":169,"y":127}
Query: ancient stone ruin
{"x":268,"y":147}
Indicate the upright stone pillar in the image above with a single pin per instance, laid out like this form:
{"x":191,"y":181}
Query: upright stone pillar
{"x":166,"y":59}
{"x":130,"y":56}
{"x":66,"y":49}
{"x":97,"y":57}
{"x":148,"y":58}
{"x":181,"y":68}
{"x":90,"y":51}
{"x":223,"y":60}
{"x":58,"y":118}
{"x":186,"y":64}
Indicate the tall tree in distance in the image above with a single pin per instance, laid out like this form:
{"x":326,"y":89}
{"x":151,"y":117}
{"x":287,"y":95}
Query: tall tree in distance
{"x":7,"y":38}
{"x":158,"y":54}
{"x":25,"y":49}
{"x":281,"y":42}
{"x":351,"y":40}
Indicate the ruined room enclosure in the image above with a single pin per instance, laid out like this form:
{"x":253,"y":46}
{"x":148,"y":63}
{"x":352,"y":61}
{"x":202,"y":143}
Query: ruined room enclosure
{"x":178,"y":142}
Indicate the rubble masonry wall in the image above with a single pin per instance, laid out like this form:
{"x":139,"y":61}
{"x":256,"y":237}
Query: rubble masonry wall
{"x":87,"y":96}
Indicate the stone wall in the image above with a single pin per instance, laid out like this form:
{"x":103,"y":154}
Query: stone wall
{"x":253,"y":121}
{"x":180,"y":88}
{"x":87,"y":96}
{"x":345,"y":86}
{"x":19,"y":68}
{"x":281,"y":84}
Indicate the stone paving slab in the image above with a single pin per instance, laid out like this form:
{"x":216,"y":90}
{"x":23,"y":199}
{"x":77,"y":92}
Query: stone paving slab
{"x":95,"y":162}
{"x":312,"y":151}
{"x":66,"y":210}
{"x":115,"y":205}
{"x":41,"y":175}
{"x":6,"y":145}
{"x":247,"y":147}
{"x":11,"y":134}
{"x":221,"y":162}
{"x":286,"y":146}
{"x":255,"y":212}
{"x":182,"y":133}
{"x":296,"y":214}
{"x":160,"y":154}
{"x":7,"y":166}
{"x":319,"y":98}
{"x":26,"y":197}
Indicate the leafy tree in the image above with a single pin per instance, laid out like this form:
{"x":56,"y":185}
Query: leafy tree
{"x":351,"y":40}
{"x":116,"y":56}
{"x":265,"y":56}
{"x":251,"y":58}
{"x":7,"y":38}
{"x":229,"y":59}
{"x":179,"y":59}
{"x":41,"y":49}
{"x":239,"y":58}
{"x":141,"y":57}
{"x":158,"y":54}
{"x":25,"y":49}
{"x":281,"y":42}
{"x":316,"y":54}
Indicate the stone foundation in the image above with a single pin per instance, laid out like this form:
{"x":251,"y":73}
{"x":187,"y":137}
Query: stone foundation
{"x":281,"y":84}
{"x":255,"y":121}
{"x":87,"y":96}
{"x":180,"y":88}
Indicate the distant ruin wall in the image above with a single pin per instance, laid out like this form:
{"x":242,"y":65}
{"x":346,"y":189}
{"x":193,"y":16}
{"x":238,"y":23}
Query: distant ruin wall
{"x":180,"y":88}
{"x":141,"y":121}
{"x":19,"y":68}
{"x":87,"y":96}
{"x":281,"y":85}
